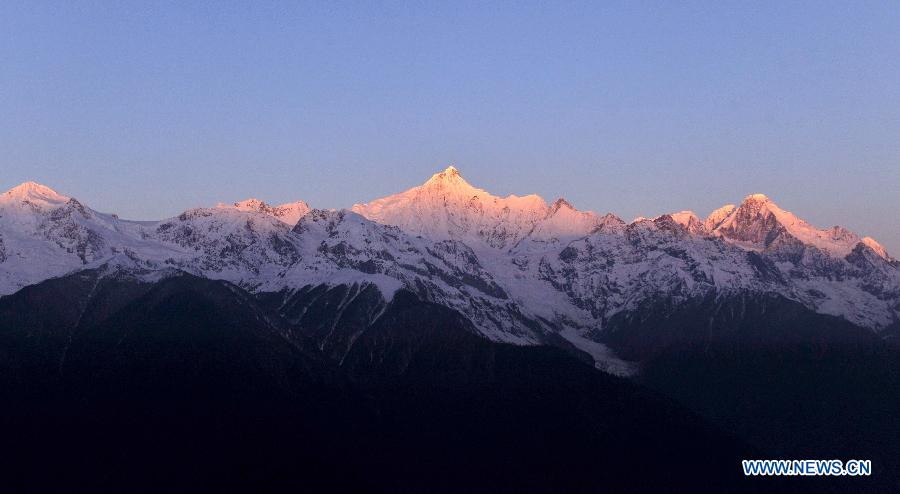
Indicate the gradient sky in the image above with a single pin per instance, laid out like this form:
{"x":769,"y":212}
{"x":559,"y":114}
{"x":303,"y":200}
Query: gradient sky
{"x":149,"y":108}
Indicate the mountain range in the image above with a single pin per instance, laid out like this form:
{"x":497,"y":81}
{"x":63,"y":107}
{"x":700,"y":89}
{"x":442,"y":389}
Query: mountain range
{"x":442,"y":339}
{"x":521,"y":270}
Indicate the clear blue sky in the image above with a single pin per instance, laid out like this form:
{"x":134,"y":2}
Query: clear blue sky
{"x":149,"y":108}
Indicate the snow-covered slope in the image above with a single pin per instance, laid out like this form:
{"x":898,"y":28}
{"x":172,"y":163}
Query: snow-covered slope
{"x":339,"y":247}
{"x":716,"y":217}
{"x":876,"y":247}
{"x":520,"y":270}
{"x":246,"y":247}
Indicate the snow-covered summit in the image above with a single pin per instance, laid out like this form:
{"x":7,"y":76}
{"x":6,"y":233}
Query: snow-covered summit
{"x":449,"y":175}
{"x":34,"y":194}
{"x":447,"y":207}
{"x":289,"y":213}
{"x":690,"y":221}
{"x":760,"y":223}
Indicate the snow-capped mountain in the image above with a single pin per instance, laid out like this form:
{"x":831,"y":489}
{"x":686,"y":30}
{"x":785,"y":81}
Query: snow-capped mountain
{"x":446,"y":207}
{"x":520,"y":270}
{"x":46,"y":234}
{"x":758,"y":223}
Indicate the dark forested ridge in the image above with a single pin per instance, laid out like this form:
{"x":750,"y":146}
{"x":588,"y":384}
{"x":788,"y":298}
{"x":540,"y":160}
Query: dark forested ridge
{"x":113,"y":384}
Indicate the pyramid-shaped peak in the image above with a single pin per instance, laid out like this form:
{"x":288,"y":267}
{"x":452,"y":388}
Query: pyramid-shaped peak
{"x":33,"y":191}
{"x":759,"y":204}
{"x":450,"y":179}
{"x":32,"y":188}
{"x":449,"y":173}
